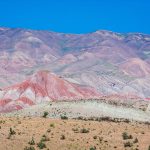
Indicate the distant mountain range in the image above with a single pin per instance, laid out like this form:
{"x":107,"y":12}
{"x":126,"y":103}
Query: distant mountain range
{"x":103,"y":62}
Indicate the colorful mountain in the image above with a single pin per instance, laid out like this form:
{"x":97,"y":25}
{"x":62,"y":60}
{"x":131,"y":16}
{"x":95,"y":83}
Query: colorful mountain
{"x":41,"y":87}
{"x":112,"y":63}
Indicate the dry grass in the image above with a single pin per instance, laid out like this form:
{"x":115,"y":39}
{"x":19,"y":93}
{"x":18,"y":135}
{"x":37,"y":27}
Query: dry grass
{"x":101,"y":135}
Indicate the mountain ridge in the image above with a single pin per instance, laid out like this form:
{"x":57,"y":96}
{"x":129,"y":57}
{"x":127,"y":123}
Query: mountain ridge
{"x":51,"y":31}
{"x":95,"y":59}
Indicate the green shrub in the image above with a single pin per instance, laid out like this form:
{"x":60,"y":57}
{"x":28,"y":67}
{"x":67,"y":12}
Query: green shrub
{"x":32,"y":142}
{"x":44,"y":138}
{"x":11,"y":131}
{"x":95,"y":137}
{"x":126,"y":136}
{"x":48,"y":130}
{"x":84,"y":130}
{"x":52,"y":125}
{"x":76,"y":130}
{"x":128,"y":144}
{"x":100,"y":139}
{"x":136,"y":140}
{"x":64,"y":117}
{"x":130,"y":137}
{"x":41,"y":145}
{"x":29,"y":148}
{"x":93,"y":148}
{"x":62,"y":137}
{"x":45,"y":114}
{"x":80,"y":118}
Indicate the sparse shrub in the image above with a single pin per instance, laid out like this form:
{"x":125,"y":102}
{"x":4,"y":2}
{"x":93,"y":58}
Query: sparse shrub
{"x":84,"y":130}
{"x":136,"y":140}
{"x":19,"y":122}
{"x":91,"y":119}
{"x":48,"y":130}
{"x":32,"y":142}
{"x":100,"y":139}
{"x":62,"y":137}
{"x":64,"y":117}
{"x":85,"y":119}
{"x":126,"y":136}
{"x":80,"y":118}
{"x":127,"y":120}
{"x":29,"y":148}
{"x":45,"y":114}
{"x":147,"y":123}
{"x":130,"y":137}
{"x":142,"y":132}
{"x":41,"y":145}
{"x":97,"y":119}
{"x":128,"y":144}
{"x":106,"y":119}
{"x":11,"y":131}
{"x":44,"y":138}
{"x":143,"y":109}
{"x":52,"y":125}
{"x":2,"y":121}
{"x":95,"y":137}
{"x":93,"y":148}
{"x":76,"y":130}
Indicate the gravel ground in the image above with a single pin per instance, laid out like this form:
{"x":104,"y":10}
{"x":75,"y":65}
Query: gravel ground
{"x":84,"y":109}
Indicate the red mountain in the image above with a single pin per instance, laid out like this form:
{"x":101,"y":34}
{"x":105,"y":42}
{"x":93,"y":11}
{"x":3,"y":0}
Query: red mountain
{"x":42,"y":86}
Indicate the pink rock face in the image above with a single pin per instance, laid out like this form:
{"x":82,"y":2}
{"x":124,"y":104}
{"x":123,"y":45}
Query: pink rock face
{"x":41,"y":87}
{"x":148,"y":99}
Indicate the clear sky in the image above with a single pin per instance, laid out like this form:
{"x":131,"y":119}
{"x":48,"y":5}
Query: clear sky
{"x":77,"y":16}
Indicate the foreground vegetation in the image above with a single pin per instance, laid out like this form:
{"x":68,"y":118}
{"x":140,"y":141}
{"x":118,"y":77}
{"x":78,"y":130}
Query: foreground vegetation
{"x":72,"y":134}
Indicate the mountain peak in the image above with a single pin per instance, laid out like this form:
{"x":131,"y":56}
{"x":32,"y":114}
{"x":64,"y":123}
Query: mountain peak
{"x":108,"y":33}
{"x":43,"y":86}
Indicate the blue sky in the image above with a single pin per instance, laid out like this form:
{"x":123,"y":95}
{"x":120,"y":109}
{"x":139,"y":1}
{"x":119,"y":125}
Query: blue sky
{"x":77,"y":16}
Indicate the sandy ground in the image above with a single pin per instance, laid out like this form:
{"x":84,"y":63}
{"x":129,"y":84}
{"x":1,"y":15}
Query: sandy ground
{"x":102,"y":135}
